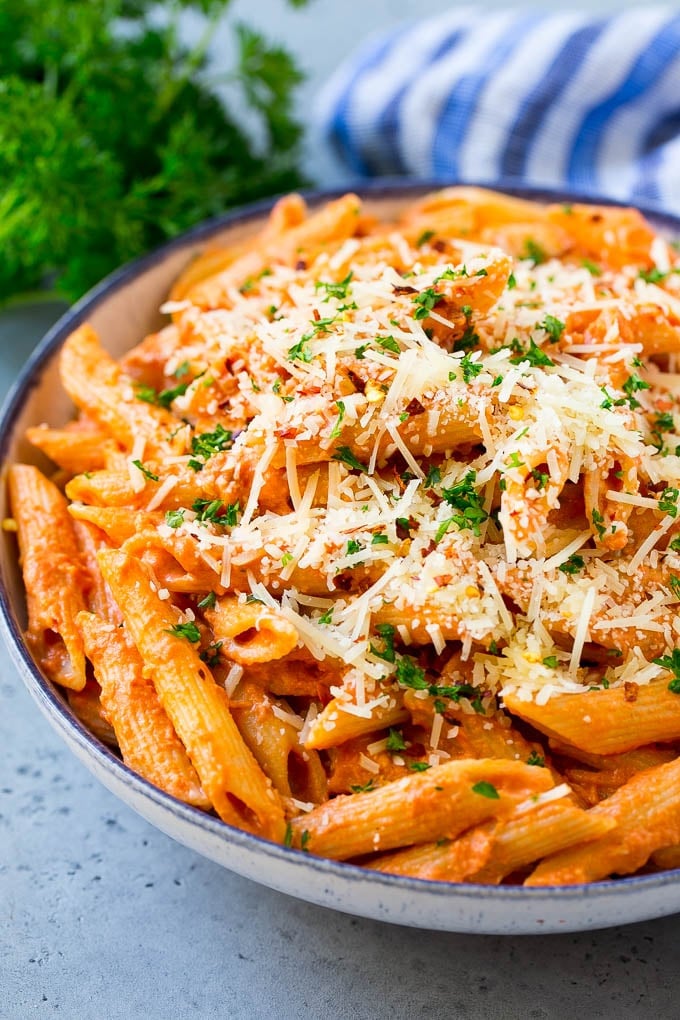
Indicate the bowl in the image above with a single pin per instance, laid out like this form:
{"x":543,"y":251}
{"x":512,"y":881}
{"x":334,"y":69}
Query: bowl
{"x":123,"y":308}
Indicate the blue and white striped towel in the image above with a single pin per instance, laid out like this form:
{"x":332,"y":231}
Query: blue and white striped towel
{"x":567,"y":100}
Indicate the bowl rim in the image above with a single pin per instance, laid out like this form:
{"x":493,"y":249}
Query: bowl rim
{"x":57,"y":708}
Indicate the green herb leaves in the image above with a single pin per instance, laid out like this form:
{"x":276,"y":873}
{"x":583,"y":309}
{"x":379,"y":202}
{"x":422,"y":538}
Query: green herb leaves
{"x":113,"y":141}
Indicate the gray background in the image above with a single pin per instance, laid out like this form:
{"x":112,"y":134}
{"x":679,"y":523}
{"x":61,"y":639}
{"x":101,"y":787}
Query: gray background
{"x":103,"y":917}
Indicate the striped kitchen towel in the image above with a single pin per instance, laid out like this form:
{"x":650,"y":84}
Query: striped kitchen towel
{"x":559,"y":100}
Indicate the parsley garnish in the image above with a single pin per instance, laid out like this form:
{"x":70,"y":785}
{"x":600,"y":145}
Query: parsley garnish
{"x":395,"y":741}
{"x":572,"y":565}
{"x":211,"y":655}
{"x":598,"y":521}
{"x":288,"y":837}
{"x":353,"y":546}
{"x":550,"y":661}
{"x":327,"y":617}
{"x":512,"y":282}
{"x":471,"y":369}
{"x":185,"y":630}
{"x":214,"y":511}
{"x":668,"y":501}
{"x":672,"y":664}
{"x":434,"y":476}
{"x":145,"y":471}
{"x":485,"y":789}
{"x":386,"y":632}
{"x":425,"y":302}
{"x":336,"y":290}
{"x":174,"y":518}
{"x":345,"y":455}
{"x":208,"y":443}
{"x":652,"y":275}
{"x":388,"y":343}
{"x":553,"y":327}
{"x":423,"y":238}
{"x":337,"y":428}
{"x":380,"y":539}
{"x":464,"y":498}
{"x":304,"y":839}
{"x":419,"y":766}
{"x":592,"y":267}
{"x":366,"y":788}
{"x":300,"y":351}
{"x":634,"y":384}
{"x":536,"y":759}
{"x":674,"y":584}
{"x":534,"y":251}
{"x":534,"y":355}
{"x":208,"y":602}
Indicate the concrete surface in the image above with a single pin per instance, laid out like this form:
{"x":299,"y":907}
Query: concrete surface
{"x":104,"y":918}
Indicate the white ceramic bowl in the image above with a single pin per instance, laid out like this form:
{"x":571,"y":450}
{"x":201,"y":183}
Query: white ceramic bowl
{"x":122,"y":309}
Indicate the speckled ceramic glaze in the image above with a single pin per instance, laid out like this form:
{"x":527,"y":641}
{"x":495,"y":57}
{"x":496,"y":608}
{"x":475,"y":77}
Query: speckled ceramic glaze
{"x":122,"y":309}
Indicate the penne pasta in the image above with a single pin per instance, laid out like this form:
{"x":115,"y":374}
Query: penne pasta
{"x":373,"y":549}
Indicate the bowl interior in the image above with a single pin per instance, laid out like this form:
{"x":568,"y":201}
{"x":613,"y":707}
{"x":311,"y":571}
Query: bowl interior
{"x":122,"y":310}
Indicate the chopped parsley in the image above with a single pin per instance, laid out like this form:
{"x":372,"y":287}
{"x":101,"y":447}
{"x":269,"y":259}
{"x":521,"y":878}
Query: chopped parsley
{"x":672,"y":664}
{"x":553,"y":327}
{"x":208,"y":602}
{"x":327,"y":616}
{"x":534,"y":251}
{"x":380,"y":539}
{"x":654,"y":275}
{"x":534,"y":355}
{"x":592,"y":267}
{"x":674,"y":584}
{"x":512,"y":282}
{"x":572,"y":565}
{"x":419,"y":766}
{"x":550,"y":661}
{"x":388,"y":343}
{"x":423,"y":238}
{"x":337,"y":428}
{"x":536,"y":759}
{"x":395,"y":741}
{"x":211,"y":655}
{"x":386,"y":632}
{"x":668,"y":501}
{"x":185,"y":630}
{"x":353,"y":546}
{"x":145,"y":471}
{"x":214,"y":511}
{"x":470,"y":369}
{"x":425,"y":302}
{"x":345,"y":455}
{"x":336,"y":290}
{"x":485,"y":789}
{"x":465,"y":499}
{"x":300,"y":351}
{"x":634,"y":384}
{"x":434,"y":476}
{"x":598,"y":521}
{"x":174,"y":518}
{"x":366,"y":788}
{"x":206,"y":444}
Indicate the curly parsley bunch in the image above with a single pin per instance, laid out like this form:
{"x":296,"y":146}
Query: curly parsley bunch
{"x":112,"y":139}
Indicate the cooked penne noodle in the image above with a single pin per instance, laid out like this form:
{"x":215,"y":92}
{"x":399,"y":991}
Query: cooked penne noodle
{"x":196,"y":706}
{"x":147,"y":740}
{"x":54,"y":597}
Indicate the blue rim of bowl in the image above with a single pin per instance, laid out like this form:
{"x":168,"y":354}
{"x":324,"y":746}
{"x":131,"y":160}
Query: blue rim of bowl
{"x":56,"y":705}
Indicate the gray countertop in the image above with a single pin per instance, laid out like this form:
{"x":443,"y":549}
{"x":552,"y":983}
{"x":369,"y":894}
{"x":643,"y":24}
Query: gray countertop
{"x":102,"y":916}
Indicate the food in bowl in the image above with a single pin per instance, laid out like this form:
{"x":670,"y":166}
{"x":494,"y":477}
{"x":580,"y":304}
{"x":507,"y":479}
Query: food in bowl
{"x":374,"y":548}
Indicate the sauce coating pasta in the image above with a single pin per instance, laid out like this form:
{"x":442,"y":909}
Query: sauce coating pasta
{"x":374,"y":548}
